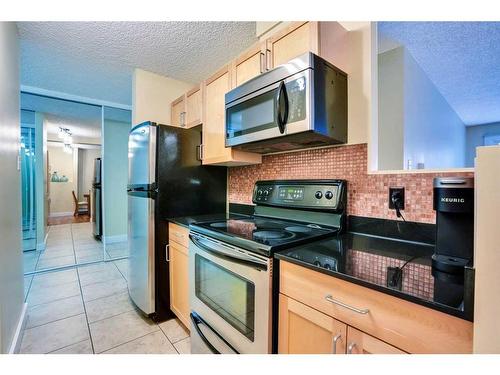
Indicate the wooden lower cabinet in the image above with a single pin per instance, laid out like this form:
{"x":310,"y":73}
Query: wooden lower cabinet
{"x":361,"y":343}
{"x":304,"y":330}
{"x":178,"y":260}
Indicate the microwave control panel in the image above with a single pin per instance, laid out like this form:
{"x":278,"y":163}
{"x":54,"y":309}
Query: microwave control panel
{"x":297,"y":94}
{"x":294,"y":194}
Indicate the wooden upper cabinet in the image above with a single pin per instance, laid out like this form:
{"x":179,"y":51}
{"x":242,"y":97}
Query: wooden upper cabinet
{"x":326,"y":39}
{"x":304,"y":330}
{"x":194,"y":103}
{"x":214,"y":130}
{"x":178,"y":112}
{"x":361,"y":343}
{"x":249,"y":64}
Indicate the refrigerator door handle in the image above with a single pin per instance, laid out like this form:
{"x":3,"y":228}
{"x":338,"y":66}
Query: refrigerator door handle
{"x":167,"y":253}
{"x":199,"y":152}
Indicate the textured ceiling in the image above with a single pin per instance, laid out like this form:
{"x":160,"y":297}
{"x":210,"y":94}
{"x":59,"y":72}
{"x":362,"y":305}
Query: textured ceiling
{"x":461,"y":58}
{"x":96,"y":59}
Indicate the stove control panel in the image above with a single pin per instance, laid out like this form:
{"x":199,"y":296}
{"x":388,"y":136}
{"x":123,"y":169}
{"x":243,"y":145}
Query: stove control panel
{"x":317,"y":194}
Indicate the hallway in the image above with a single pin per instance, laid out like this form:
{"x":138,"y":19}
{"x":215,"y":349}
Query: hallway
{"x":68,"y":245}
{"x":86,"y":309}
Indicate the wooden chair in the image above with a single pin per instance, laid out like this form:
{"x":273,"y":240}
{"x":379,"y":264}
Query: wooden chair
{"x":81,"y":208}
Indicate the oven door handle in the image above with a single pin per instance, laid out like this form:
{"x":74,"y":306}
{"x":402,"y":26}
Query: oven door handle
{"x":231,"y":256}
{"x":197,"y":321}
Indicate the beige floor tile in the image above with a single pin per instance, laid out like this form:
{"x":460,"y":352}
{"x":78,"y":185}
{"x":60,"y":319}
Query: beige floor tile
{"x":107,"y":307}
{"x":27,"y":285}
{"x":103,"y":289}
{"x":53,"y":278}
{"x":55,"y":335}
{"x":83,"y":347}
{"x":57,"y":252}
{"x":41,"y":295}
{"x":153,"y":343}
{"x":100,"y":276}
{"x":52,"y":311}
{"x":102,"y":266}
{"x":48,"y":263}
{"x":120,"y":329}
{"x":183,"y":346}
{"x":174,"y":330}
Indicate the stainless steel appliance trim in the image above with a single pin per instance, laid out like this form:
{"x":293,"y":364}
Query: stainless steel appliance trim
{"x":152,"y":153}
{"x":262,"y":281}
{"x":290,"y":127}
{"x":280,"y":73}
{"x":329,"y":298}
{"x":227,"y":251}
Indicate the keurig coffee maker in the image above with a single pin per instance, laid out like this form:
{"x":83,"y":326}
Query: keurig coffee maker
{"x":454,"y":206}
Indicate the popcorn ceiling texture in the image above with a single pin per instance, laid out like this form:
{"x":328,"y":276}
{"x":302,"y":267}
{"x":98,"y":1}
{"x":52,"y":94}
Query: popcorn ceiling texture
{"x":367,"y":193}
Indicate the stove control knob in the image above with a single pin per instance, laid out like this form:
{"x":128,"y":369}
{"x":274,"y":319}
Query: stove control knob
{"x":327,"y":266}
{"x":266,"y":192}
{"x":318,"y":195}
{"x":259,"y":192}
{"x":328,"y":195}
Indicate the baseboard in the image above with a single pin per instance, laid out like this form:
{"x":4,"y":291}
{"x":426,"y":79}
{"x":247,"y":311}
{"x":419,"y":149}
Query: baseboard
{"x":57,"y":214}
{"x":113,"y":239}
{"x":16,"y":341}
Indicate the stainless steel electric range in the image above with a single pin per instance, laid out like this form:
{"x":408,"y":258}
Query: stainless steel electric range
{"x":231,"y":266}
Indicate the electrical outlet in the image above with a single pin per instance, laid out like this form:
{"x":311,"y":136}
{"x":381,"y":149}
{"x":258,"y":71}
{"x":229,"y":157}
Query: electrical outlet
{"x":399,"y":194}
{"x":394,"y":278}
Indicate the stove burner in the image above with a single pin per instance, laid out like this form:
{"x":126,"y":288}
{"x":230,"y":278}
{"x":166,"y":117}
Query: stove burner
{"x":272,"y":235}
{"x":299,"y":229}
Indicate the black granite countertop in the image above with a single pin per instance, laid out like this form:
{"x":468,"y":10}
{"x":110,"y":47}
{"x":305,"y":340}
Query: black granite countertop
{"x":365,"y":260}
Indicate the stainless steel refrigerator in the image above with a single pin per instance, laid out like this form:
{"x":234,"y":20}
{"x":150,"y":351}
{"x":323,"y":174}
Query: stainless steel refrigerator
{"x":97,"y":200}
{"x":166,"y":180}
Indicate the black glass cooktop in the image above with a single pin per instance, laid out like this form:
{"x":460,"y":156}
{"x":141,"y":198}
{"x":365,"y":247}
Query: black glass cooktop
{"x":261,"y":234}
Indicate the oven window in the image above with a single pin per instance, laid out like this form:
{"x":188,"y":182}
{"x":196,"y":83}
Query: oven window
{"x":229,"y":295}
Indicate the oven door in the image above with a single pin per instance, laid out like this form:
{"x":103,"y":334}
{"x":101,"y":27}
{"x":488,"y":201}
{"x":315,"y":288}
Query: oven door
{"x":279,"y":109}
{"x":230,"y":292}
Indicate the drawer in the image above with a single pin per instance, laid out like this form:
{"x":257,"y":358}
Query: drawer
{"x":406,"y":325}
{"x":178,"y":234}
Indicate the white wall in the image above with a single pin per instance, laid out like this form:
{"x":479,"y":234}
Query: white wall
{"x":152,"y":95}
{"x":11,"y":267}
{"x":474,"y":137}
{"x":434,"y":134}
{"x":410,"y":105}
{"x":61,"y":198}
{"x":391,"y":109}
{"x":86,"y":157}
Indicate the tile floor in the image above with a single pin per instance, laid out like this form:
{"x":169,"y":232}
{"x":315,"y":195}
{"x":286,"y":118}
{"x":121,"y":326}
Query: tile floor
{"x":86,"y":309}
{"x":70,"y":244}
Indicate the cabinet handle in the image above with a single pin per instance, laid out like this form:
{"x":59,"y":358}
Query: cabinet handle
{"x":182,"y":119}
{"x":268,"y":59}
{"x":167,"y":253}
{"x":335,"y":340}
{"x":351,"y":346}
{"x":262,"y":62}
{"x":329,"y":298}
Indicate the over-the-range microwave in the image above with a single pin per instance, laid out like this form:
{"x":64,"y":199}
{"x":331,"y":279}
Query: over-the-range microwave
{"x":300,"y":104}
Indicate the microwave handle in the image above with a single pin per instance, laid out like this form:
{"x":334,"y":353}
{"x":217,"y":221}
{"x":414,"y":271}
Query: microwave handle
{"x":282,"y":119}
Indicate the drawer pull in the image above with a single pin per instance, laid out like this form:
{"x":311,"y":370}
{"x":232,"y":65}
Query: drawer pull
{"x":335,"y":339}
{"x":351,"y":346}
{"x":329,"y":298}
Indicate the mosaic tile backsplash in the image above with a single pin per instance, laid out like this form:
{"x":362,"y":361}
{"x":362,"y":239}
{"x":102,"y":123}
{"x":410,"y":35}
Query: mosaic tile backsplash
{"x":367,"y":193}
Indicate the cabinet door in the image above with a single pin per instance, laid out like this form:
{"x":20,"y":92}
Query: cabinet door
{"x":361,"y":343}
{"x":298,"y":38}
{"x":179,"y":281}
{"x":193,"y":107}
{"x":178,"y":112}
{"x":214,"y":147}
{"x":304,"y":330}
{"x":249,"y":65}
